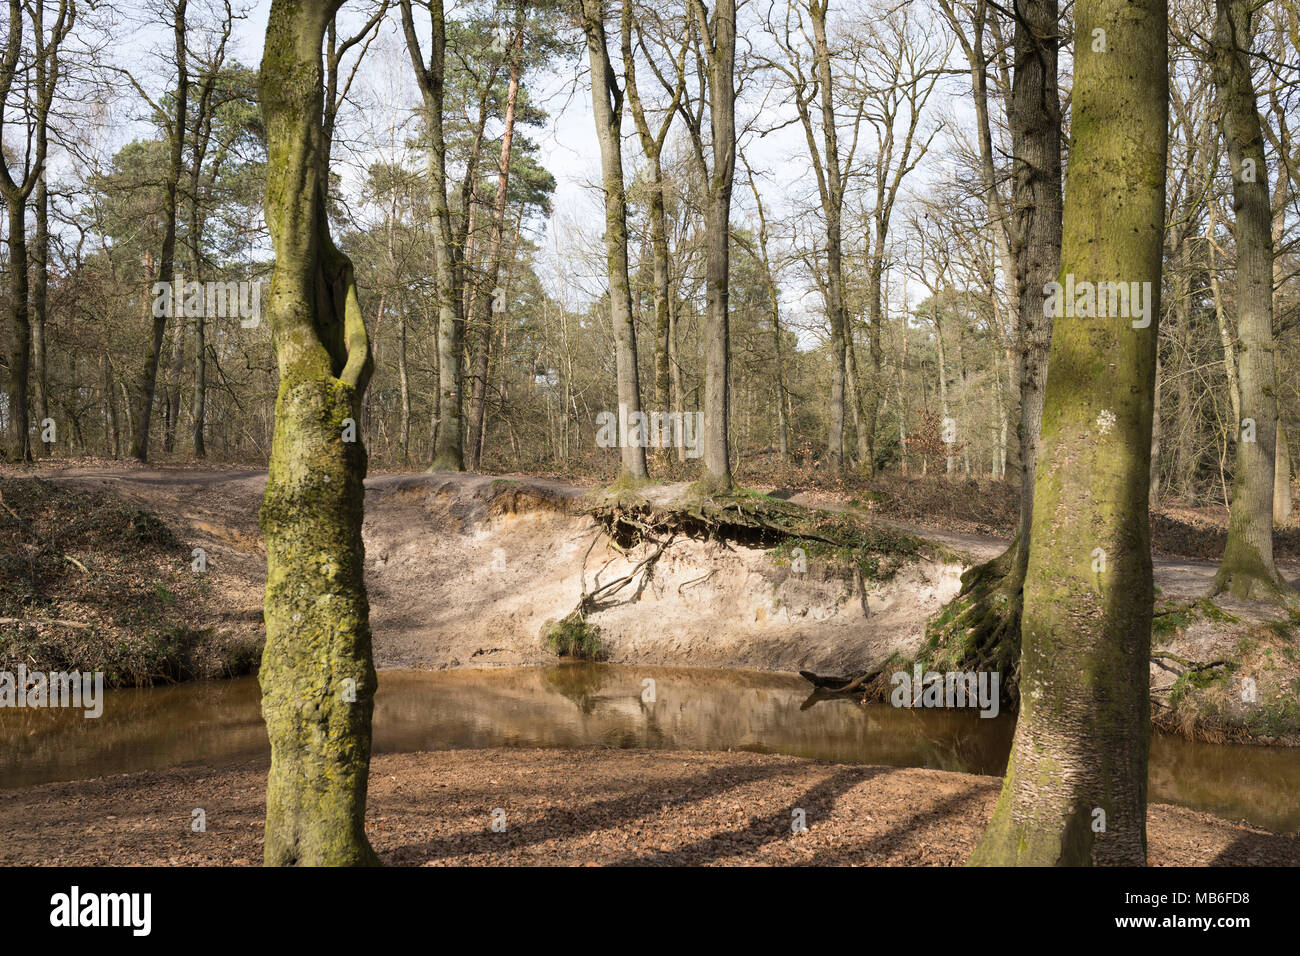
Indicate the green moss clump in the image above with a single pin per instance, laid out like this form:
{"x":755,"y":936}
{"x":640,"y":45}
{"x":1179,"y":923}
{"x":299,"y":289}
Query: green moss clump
{"x":1200,"y":680}
{"x":577,"y":638}
{"x":1172,"y":617}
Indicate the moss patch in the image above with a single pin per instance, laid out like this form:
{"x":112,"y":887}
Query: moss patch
{"x":1249,"y":692}
{"x":576,"y":637}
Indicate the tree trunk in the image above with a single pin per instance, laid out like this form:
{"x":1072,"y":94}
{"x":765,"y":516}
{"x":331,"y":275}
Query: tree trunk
{"x":172,"y":400}
{"x":721,"y":44}
{"x":40,"y":299}
{"x":28,"y":329}
{"x":147,"y":382}
{"x":318,"y":678}
{"x":1036,"y":168}
{"x":448,"y":453}
{"x":487,"y":304}
{"x":112,"y":443}
{"x":404,"y":385}
{"x":832,"y":195}
{"x":1282,"y":479}
{"x":985,"y":625}
{"x":1075,"y":791}
{"x":1248,"y":569}
{"x":607,"y":106}
{"x":20,"y":332}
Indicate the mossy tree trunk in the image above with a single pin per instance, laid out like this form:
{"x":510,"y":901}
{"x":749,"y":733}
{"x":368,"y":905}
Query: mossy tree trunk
{"x":318,"y":679}
{"x":1248,"y":570}
{"x":1076,"y":782}
{"x":607,"y":107}
{"x":981,"y":626}
{"x":1036,"y":224}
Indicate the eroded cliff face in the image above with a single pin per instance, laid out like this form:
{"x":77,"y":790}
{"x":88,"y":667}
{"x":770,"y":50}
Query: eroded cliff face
{"x":467,"y":570}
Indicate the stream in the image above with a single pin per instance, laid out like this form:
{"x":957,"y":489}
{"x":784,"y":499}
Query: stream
{"x":605,"y":705}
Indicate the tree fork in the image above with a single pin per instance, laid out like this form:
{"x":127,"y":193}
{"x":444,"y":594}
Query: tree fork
{"x":317,"y":675}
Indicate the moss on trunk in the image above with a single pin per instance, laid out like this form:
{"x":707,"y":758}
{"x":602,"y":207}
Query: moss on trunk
{"x":1248,"y":570}
{"x":318,"y":678}
{"x":1076,"y":782}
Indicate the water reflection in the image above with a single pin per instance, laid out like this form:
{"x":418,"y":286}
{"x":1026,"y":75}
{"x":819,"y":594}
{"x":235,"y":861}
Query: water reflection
{"x":585,"y":705}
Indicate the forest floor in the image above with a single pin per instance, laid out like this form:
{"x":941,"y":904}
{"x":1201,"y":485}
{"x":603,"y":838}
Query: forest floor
{"x":580,"y":807}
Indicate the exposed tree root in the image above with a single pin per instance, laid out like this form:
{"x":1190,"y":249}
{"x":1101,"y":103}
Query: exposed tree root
{"x":747,"y":518}
{"x":861,"y":550}
{"x":979,"y":629}
{"x":1255,"y":583}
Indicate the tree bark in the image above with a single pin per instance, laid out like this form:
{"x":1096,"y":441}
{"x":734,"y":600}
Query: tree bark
{"x":15,"y":192}
{"x":40,"y":297}
{"x":652,"y":145}
{"x":721,"y":50}
{"x":448,"y":453}
{"x":607,"y":105}
{"x":487,"y":305}
{"x":318,"y":678}
{"x":1248,"y":570}
{"x":147,"y":381}
{"x":1075,"y":791}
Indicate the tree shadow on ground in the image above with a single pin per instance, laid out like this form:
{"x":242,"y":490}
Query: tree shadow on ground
{"x":817,"y":803}
{"x":955,"y":808}
{"x":1260,"y":849}
{"x":566,"y":823}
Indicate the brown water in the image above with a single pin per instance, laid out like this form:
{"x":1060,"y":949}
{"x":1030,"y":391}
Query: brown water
{"x":577,"y":705}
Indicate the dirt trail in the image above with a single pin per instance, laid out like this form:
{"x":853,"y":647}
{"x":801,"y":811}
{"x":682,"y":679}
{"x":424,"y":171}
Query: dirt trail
{"x":1179,"y":579}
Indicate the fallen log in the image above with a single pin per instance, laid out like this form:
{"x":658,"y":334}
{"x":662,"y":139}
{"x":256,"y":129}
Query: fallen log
{"x":841,"y":685}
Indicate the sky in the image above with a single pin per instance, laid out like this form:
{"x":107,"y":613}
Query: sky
{"x":567,"y":147}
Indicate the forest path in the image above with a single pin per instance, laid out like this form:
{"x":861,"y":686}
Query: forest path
{"x":1178,"y":578}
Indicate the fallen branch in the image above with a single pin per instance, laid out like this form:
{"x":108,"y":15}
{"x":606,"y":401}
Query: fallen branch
{"x":1190,"y":665}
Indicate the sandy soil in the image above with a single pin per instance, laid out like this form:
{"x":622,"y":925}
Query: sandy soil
{"x":474,"y":570}
{"x":579,"y":807}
